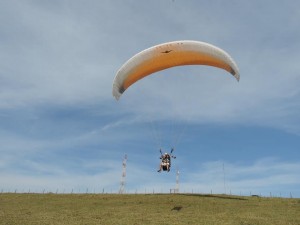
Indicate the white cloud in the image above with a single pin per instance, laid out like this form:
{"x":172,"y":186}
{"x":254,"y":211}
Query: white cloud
{"x":64,"y":58}
{"x":53,"y":57}
{"x":61,"y":183}
{"x":263,"y":177}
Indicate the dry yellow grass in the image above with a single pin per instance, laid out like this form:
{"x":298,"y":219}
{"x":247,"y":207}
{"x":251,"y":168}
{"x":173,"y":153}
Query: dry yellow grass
{"x":156,"y":209}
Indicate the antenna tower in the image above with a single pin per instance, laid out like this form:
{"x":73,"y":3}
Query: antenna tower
{"x":123,"y":178}
{"x":177,"y":182}
{"x":224,"y":178}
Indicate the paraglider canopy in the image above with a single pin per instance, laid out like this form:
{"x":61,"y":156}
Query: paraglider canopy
{"x":171,"y":54}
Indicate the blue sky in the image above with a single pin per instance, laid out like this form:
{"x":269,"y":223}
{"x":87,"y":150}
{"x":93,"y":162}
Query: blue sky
{"x":61,"y":129}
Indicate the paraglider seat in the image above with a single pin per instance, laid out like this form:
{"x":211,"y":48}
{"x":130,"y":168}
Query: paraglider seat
{"x":165,"y":166}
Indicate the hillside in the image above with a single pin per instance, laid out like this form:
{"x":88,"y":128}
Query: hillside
{"x":143,"y":209}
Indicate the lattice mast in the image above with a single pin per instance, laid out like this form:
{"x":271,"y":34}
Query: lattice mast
{"x":123,"y":178}
{"x":177,"y":182}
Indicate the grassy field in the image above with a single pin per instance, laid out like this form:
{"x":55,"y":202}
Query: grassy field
{"x":141,"y":209}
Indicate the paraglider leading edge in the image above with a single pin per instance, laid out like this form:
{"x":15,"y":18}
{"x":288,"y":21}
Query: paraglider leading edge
{"x":171,"y":54}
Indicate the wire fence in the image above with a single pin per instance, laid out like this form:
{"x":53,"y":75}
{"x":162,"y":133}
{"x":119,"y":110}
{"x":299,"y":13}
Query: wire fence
{"x":146,"y":191}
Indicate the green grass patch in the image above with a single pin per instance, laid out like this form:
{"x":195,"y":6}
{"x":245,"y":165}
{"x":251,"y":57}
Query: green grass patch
{"x":143,"y":209}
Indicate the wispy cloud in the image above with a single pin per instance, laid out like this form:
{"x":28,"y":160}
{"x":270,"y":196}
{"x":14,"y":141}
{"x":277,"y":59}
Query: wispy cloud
{"x":261,"y":177}
{"x":57,"y":113}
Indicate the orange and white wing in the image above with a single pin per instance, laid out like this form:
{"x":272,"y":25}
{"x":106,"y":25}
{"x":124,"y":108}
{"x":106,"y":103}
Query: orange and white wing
{"x":171,"y":54}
